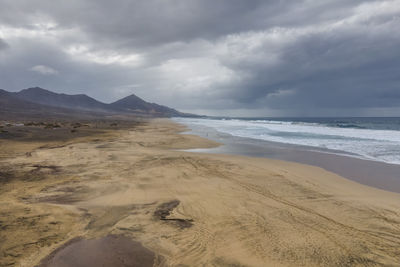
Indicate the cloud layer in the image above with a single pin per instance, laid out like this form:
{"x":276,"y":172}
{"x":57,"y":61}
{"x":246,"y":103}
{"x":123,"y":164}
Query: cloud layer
{"x":45,"y":70}
{"x":230,"y":57}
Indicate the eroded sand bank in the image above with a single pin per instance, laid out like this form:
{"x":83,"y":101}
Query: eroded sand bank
{"x":191,"y":209}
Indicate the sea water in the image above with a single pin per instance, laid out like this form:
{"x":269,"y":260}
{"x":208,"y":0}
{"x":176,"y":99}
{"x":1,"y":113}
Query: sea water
{"x":375,"y":139}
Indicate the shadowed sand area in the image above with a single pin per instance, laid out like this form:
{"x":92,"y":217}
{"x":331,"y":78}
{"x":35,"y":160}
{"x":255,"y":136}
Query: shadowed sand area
{"x":135,"y":187}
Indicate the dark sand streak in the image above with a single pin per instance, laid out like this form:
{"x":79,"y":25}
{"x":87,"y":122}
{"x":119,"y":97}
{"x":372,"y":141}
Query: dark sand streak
{"x":109,"y":251}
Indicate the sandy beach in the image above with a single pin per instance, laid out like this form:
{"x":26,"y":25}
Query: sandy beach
{"x":134,"y":189}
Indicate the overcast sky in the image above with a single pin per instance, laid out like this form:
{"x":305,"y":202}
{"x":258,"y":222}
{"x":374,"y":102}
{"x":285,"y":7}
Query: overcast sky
{"x":215,"y":57}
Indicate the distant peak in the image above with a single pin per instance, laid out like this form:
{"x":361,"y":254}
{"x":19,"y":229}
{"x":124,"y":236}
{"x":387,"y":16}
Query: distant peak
{"x":34,"y":89}
{"x":132,"y":96}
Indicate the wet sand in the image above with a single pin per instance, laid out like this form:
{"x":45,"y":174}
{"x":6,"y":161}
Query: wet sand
{"x":108,"y":251}
{"x":188,"y":209}
{"x":372,"y":173}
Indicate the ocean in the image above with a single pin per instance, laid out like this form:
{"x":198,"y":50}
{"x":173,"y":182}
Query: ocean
{"x":376,"y":139}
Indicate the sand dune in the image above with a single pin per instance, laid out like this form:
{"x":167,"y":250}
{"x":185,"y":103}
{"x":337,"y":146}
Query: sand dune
{"x":192,"y":209}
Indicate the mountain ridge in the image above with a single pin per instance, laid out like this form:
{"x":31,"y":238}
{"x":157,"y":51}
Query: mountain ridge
{"x":46,"y":97}
{"x":131,"y":104}
{"x":12,"y":107}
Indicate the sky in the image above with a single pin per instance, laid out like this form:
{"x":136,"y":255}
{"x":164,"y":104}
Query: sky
{"x":212,"y":57}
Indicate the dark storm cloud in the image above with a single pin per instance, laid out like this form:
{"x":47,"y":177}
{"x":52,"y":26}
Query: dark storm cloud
{"x":155,"y":22}
{"x":245,"y":57}
{"x":343,"y":67}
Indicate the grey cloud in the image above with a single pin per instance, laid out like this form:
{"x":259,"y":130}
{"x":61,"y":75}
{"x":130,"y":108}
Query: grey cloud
{"x":3,"y":44}
{"x":339,"y":68}
{"x":126,"y":23}
{"x":44,"y":70}
{"x":225,"y":56}
{"x":74,"y":76}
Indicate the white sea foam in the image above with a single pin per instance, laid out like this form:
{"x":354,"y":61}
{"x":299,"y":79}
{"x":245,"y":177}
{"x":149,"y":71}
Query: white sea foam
{"x":378,"y":145}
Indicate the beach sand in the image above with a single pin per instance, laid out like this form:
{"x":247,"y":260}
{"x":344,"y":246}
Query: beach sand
{"x":136,"y":188}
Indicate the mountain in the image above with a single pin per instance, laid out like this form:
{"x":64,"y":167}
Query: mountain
{"x":40,"y":101}
{"x":12,"y":107}
{"x":8,"y":101}
{"x":45,"y":97}
{"x":135,"y":104}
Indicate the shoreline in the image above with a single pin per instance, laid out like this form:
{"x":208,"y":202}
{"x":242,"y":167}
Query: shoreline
{"x":188,"y":208}
{"x":360,"y":170}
